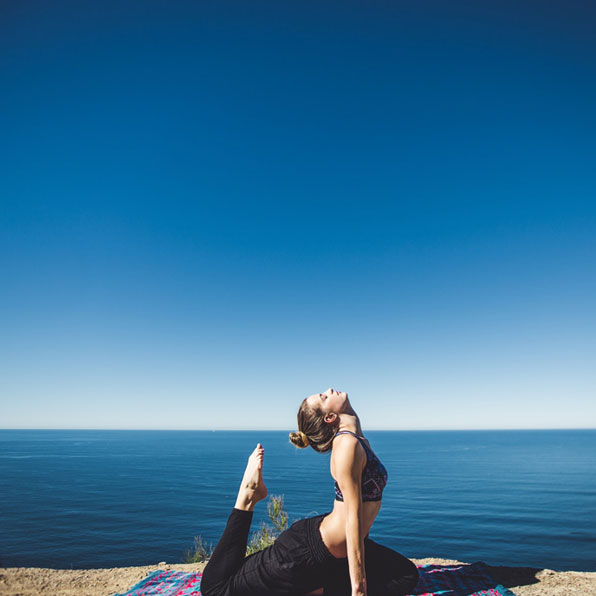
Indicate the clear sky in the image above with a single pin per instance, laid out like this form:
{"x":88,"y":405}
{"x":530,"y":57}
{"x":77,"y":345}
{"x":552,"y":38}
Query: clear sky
{"x":210,"y":210}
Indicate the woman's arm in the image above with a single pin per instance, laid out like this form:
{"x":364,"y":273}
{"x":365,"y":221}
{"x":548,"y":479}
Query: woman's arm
{"x":349,"y":460}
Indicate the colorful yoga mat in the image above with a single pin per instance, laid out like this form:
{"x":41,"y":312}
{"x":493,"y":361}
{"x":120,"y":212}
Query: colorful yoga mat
{"x":435,"y":580}
{"x":458,"y":580}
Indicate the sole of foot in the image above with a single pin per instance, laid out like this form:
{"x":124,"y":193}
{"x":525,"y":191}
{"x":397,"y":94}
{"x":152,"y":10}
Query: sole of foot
{"x":252,"y":488}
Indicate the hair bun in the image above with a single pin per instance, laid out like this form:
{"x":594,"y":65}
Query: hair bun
{"x":299,"y":439}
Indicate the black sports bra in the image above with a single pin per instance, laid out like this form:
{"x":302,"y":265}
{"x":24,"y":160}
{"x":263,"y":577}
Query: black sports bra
{"x":374,"y":475}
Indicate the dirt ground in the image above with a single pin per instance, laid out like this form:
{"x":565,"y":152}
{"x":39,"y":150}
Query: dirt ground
{"x":28,"y":581}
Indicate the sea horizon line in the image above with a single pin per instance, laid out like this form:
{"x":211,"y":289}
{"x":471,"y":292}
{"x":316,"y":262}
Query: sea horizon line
{"x":173,"y":429}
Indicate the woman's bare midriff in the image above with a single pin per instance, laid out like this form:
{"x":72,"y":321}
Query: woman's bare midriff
{"x":333,"y":526}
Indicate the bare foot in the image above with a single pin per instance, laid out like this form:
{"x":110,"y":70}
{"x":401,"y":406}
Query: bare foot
{"x":252,"y":488}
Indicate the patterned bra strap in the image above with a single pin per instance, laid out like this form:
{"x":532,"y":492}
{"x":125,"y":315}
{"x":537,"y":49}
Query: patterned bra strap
{"x":343,"y":432}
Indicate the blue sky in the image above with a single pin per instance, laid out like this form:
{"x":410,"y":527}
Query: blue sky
{"x":213,"y":209}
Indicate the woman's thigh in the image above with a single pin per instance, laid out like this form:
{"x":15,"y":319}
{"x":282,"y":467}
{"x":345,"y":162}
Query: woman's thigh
{"x":263,"y":573}
{"x":286,"y":567}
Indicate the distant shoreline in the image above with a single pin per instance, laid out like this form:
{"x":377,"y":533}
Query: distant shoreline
{"x":31,"y":581}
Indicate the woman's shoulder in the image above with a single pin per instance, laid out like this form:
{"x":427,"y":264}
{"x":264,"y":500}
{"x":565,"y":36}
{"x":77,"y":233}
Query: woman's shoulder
{"x":348,"y":449}
{"x":345,"y":440}
{"x":353,"y":437}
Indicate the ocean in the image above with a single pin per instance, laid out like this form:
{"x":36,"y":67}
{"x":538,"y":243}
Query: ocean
{"x":106,"y":498}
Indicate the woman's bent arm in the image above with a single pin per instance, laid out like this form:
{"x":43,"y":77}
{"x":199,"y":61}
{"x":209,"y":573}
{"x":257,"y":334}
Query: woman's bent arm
{"x":349,"y":461}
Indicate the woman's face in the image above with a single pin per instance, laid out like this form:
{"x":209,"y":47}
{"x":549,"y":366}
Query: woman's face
{"x":329,"y":401}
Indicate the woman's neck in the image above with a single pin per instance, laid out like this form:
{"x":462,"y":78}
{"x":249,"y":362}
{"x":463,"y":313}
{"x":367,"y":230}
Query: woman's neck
{"x":350,"y":422}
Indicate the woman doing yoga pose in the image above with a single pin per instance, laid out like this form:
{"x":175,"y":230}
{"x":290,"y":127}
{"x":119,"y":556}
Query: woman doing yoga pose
{"x":329,"y":554}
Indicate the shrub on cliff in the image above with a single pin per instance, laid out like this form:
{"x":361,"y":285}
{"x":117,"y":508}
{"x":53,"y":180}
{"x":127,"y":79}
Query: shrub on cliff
{"x":258,"y":540}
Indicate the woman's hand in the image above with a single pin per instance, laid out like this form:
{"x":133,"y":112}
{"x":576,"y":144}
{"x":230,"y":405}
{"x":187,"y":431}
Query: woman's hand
{"x":359,"y":590}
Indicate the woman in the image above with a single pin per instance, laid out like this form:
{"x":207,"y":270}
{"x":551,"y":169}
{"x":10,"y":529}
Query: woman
{"x":329,"y":554}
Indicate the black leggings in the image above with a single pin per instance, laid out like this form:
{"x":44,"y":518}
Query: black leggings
{"x":297,"y":563}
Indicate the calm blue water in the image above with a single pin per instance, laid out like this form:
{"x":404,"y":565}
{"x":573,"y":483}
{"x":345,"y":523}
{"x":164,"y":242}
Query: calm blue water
{"x":78,"y":499}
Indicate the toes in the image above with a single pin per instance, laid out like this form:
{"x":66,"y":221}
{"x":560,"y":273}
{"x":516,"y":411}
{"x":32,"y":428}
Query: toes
{"x":257,"y":455}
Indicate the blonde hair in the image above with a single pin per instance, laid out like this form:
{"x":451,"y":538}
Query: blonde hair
{"x":299,"y":439}
{"x":313,"y":431}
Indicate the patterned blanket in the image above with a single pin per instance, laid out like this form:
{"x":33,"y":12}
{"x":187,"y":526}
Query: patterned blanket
{"x":435,"y":580}
{"x":458,"y":580}
{"x":167,"y":583}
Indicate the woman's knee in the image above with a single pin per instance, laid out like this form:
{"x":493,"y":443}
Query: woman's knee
{"x":405,"y":583}
{"x":414,"y":577}
{"x":210,"y":588}
{"x":400,"y":577}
